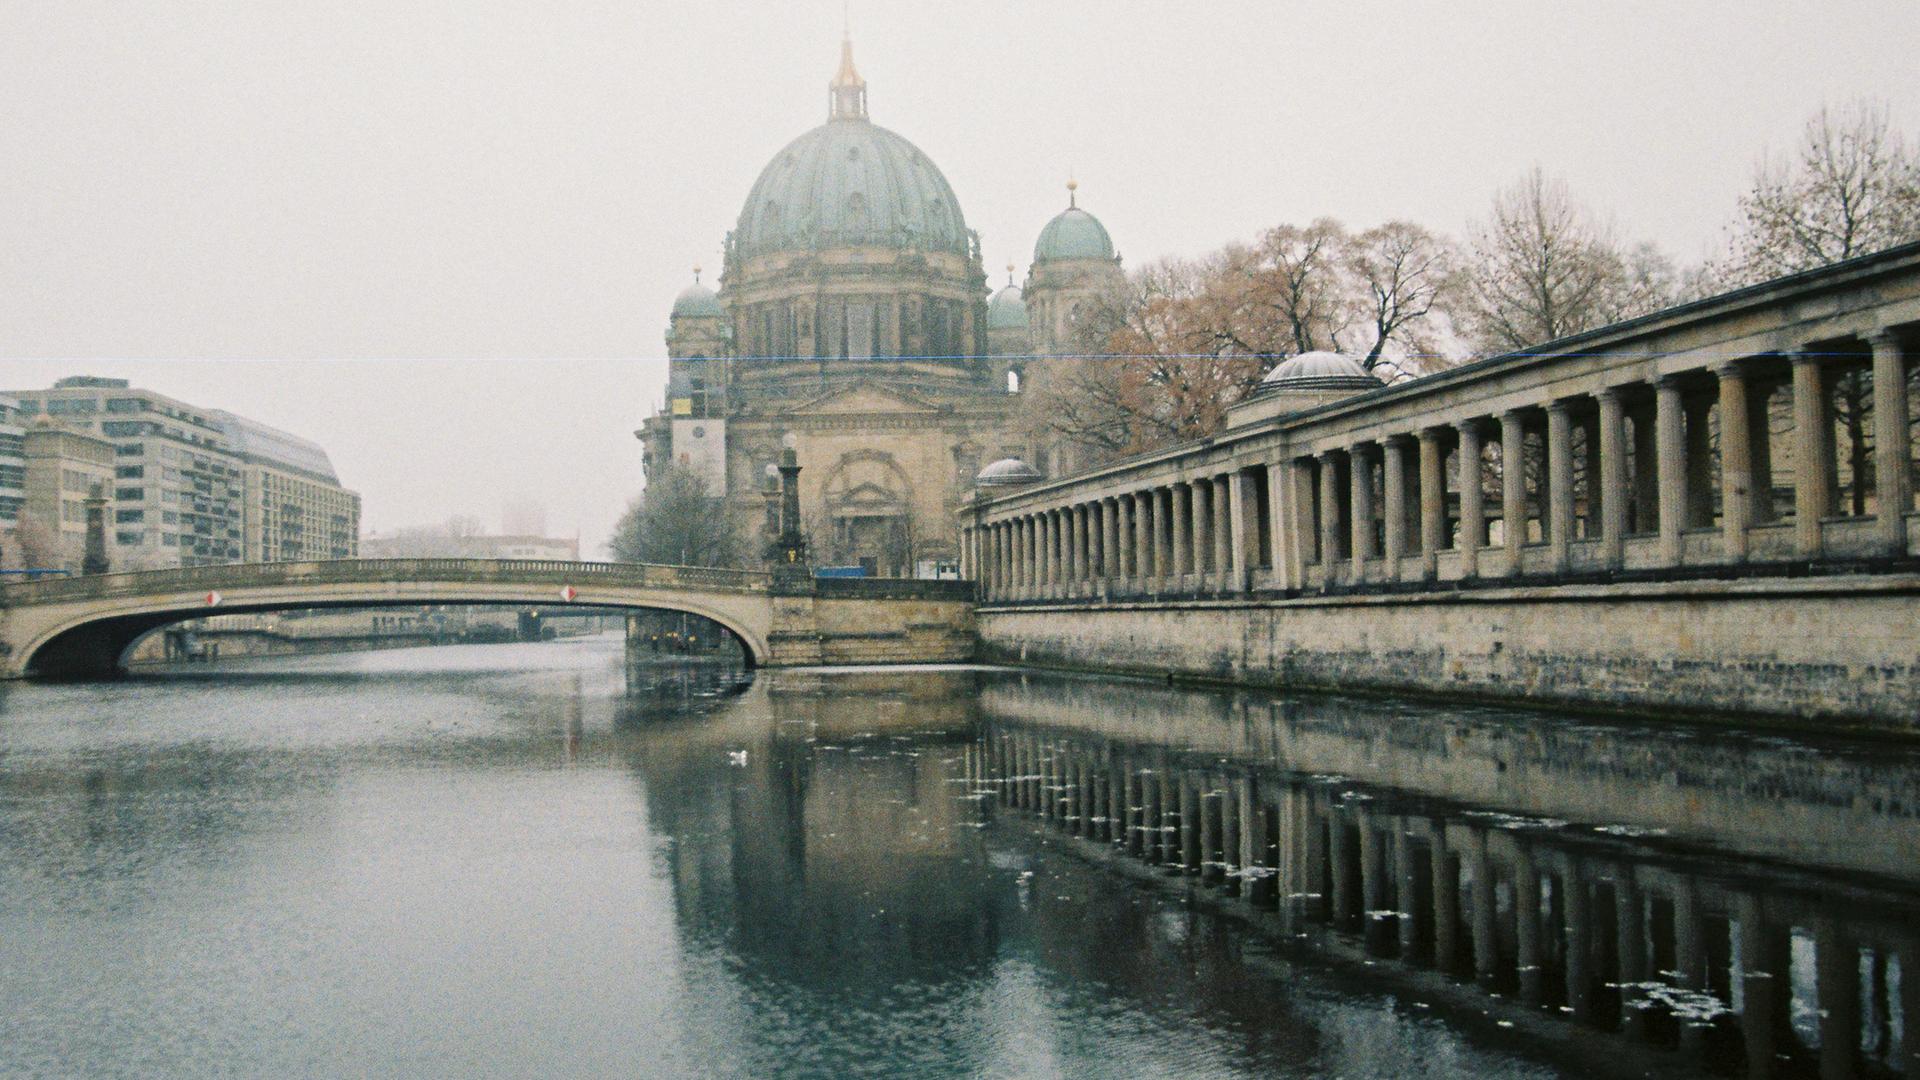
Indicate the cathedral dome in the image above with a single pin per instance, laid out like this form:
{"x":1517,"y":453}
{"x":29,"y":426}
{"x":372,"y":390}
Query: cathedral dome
{"x":696,"y":301}
{"x":1008,"y":472}
{"x":1073,"y":234}
{"x":850,"y":183}
{"x":1318,"y":370}
{"x":1007,"y":310}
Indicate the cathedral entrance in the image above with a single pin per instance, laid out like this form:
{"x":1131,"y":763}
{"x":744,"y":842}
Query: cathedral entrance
{"x":876,"y":542}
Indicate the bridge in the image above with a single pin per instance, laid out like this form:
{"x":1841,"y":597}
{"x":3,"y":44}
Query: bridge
{"x":85,"y":625}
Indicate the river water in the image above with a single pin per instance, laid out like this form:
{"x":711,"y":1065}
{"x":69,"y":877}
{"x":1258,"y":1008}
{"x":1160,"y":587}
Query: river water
{"x":525,"y":860}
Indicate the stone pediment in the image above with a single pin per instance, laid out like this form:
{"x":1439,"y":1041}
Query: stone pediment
{"x":864,"y":398}
{"x":867,"y":495}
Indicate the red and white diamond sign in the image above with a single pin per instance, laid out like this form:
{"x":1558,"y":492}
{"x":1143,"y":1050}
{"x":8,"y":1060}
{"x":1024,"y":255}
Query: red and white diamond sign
{"x":567,"y":593}
{"x":213,"y":599}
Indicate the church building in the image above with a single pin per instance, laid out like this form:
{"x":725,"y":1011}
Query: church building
{"x":853,"y":322}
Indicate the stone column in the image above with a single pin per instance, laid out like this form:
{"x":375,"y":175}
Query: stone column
{"x":1394,"y":466}
{"x":1513,"y":486}
{"x":1329,"y":518}
{"x":1284,"y":478}
{"x":1812,"y":459}
{"x":1590,"y":454}
{"x":1433,"y":500}
{"x":1142,"y":539}
{"x":1243,"y":530}
{"x":1445,"y":874}
{"x":1049,"y":553}
{"x":1612,"y":481}
{"x":1076,"y":549}
{"x":1222,"y":532}
{"x":1893,"y":475}
{"x":1526,"y":923}
{"x":1202,"y":525}
{"x":1016,"y":557}
{"x":1671,"y":453}
{"x":1115,"y":561}
{"x":1736,"y":461}
{"x":1163,"y":564}
{"x":1473,"y":514}
{"x":1182,"y":527}
{"x":1559,"y":484}
{"x":1360,"y":508}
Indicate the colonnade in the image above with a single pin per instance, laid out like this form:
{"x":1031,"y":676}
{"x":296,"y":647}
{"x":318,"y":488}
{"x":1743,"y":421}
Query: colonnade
{"x":1198,"y":534}
{"x":1617,"y":941}
{"x":1733,"y":461}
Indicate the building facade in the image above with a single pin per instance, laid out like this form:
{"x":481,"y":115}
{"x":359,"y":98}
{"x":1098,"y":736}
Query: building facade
{"x":64,"y":470}
{"x":191,"y":486}
{"x":853,"y":322}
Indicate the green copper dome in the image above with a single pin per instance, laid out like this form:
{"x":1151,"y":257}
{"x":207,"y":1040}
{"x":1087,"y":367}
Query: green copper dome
{"x":1007,"y":310}
{"x":698,"y":302}
{"x":1073,"y":234}
{"x":850,"y":183}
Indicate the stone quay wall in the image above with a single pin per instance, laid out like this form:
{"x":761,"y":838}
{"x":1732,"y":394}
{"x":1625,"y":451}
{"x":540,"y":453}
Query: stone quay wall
{"x":1840,"y":651}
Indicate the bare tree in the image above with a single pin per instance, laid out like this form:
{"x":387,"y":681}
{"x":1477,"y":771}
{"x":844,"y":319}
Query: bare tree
{"x":1406,"y":276}
{"x":676,"y":522}
{"x":1851,"y":186}
{"x":1544,"y":268}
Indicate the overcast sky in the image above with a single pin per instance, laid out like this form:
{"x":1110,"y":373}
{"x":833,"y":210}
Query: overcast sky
{"x":467,"y":219}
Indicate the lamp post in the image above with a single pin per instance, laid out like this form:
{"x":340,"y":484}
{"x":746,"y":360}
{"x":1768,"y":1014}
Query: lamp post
{"x":791,"y":570}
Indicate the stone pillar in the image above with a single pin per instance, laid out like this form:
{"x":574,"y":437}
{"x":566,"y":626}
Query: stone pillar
{"x":1513,"y":486}
{"x":1243,"y":530}
{"x":1394,"y":467}
{"x":1893,"y":476}
{"x":1765,"y":981}
{"x":1284,"y":478}
{"x":1671,"y":453}
{"x":1736,"y":461}
{"x":1559,"y":485}
{"x":1596,"y":499}
{"x":1612,"y":480}
{"x":1360,"y":508}
{"x":1143,"y":537}
{"x":1163,"y":564}
{"x":1182,"y":530}
{"x":1222,"y":532}
{"x":1329,"y":518}
{"x":1114,"y":563}
{"x":1813,"y":452}
{"x":1578,"y":911}
{"x":1433,"y":500}
{"x":1630,"y":946}
{"x":1050,"y":553}
{"x":1473,"y":514}
{"x":1485,"y":955}
{"x":1202,"y":526}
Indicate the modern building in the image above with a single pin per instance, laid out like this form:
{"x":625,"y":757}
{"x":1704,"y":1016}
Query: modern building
{"x":435,"y":543}
{"x":64,"y":469}
{"x":853,"y":321}
{"x":194,"y":486}
{"x":13,"y":467}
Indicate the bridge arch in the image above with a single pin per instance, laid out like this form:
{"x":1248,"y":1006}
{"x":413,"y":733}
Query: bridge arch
{"x":86,"y":625}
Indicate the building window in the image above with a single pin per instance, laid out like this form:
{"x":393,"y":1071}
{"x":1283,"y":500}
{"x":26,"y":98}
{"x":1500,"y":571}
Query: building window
{"x":125,"y":517}
{"x":127,"y":539}
{"x":130,"y":494}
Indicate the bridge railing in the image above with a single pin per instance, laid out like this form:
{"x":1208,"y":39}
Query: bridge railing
{"x":237,"y":575}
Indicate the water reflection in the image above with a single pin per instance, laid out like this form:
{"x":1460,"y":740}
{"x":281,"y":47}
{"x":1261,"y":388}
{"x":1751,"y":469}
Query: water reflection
{"x":526,"y":860}
{"x":1342,"y":825}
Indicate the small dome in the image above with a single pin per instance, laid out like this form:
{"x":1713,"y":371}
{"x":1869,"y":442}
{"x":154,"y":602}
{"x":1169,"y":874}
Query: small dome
{"x":696,"y":301}
{"x":1007,"y":310}
{"x":1073,"y":234}
{"x":1318,"y":370}
{"x":1008,"y":472}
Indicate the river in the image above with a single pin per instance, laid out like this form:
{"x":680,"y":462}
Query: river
{"x":525,"y":860}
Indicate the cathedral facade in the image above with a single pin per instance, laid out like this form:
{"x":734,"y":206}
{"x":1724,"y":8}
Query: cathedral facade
{"x":853,"y":322}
